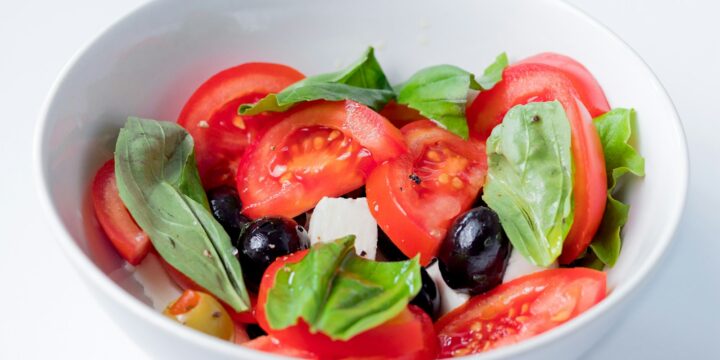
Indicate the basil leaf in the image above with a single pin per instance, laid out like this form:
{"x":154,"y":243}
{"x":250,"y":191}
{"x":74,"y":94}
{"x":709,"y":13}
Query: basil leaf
{"x":364,"y":81}
{"x":339,"y":293}
{"x":529,"y":180}
{"x":440,"y":92}
{"x":615,"y":130}
{"x":159,"y":184}
{"x":493,"y":73}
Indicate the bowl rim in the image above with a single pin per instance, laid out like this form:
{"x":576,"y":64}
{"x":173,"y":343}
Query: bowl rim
{"x":93,"y":274}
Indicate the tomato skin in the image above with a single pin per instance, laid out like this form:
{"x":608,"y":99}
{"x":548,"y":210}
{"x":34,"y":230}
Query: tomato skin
{"x":416,"y":213}
{"x":591,"y":94}
{"x":352,"y":140}
{"x":210,"y":116}
{"x":126,"y":236}
{"x":409,"y":335}
{"x":400,"y":115}
{"x":519,"y":309}
{"x":245,"y":317}
{"x":272,"y":345}
{"x":532,"y":82}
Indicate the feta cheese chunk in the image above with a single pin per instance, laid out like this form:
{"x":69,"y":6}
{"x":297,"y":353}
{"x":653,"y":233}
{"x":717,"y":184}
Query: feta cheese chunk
{"x":519,"y":266}
{"x":449,"y":298}
{"x":334,"y":218}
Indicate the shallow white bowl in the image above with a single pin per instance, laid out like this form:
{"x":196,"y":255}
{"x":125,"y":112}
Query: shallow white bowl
{"x":149,"y":63}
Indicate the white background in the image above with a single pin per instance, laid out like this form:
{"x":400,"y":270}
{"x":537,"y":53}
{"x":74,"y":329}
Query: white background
{"x":46,"y":312}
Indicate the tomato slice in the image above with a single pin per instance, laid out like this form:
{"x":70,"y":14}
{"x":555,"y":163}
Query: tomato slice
{"x":519,"y":309}
{"x":210,"y":116}
{"x":415,"y":197}
{"x":589,"y":91}
{"x":320,"y":149}
{"x":524,"y":83}
{"x":245,"y":317}
{"x":273,"y":345}
{"x":129,"y":240}
{"x":409,"y":335}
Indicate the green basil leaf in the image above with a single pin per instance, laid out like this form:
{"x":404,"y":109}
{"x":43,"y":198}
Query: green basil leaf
{"x":440,"y":92}
{"x":159,"y":184}
{"x":615,"y":130}
{"x":339,"y":293}
{"x":364,"y":81}
{"x":493,"y":73}
{"x":529,"y":180}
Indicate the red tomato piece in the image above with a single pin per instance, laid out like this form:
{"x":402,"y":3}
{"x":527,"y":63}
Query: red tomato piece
{"x":400,"y":115}
{"x":415,"y":197}
{"x":320,"y":149}
{"x":525,"y":83}
{"x":519,"y":309}
{"x":220,"y":134}
{"x":409,"y":335}
{"x":245,"y":317}
{"x":272,"y":345}
{"x":129,"y":240}
{"x":590,"y":92}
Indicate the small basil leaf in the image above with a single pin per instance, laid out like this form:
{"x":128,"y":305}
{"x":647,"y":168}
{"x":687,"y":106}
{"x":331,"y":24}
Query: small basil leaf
{"x":159,"y":184}
{"x":364,"y":81}
{"x":615,"y":130}
{"x":493,"y":73}
{"x":440,"y":92}
{"x":338,"y":293}
{"x":529,"y":180}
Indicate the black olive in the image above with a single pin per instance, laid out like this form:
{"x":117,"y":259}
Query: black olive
{"x":226,"y":206}
{"x":388,"y":249}
{"x":357,"y":193}
{"x":254,"y":331}
{"x":264,"y":240}
{"x":474,"y":254}
{"x":428,"y":298}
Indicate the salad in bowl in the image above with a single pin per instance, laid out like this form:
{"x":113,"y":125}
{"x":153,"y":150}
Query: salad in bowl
{"x":350,"y":215}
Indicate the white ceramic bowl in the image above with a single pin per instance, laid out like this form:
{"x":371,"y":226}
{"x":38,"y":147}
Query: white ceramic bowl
{"x":149,"y":63}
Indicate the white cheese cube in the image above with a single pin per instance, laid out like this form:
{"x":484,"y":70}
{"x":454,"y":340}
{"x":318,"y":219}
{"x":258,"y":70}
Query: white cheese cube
{"x":334,"y":218}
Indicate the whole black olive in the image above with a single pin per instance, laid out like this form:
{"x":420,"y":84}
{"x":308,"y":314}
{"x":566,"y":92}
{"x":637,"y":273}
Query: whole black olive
{"x":388,"y":249}
{"x":428,"y":298}
{"x":264,"y":240}
{"x":475,"y":252}
{"x":226,"y":206}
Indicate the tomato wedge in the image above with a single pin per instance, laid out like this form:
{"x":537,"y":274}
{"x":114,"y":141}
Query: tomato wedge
{"x":272,"y":345}
{"x":519,"y":309}
{"x":320,"y":149}
{"x":531,"y":82}
{"x":410,"y":335}
{"x":415,"y":197}
{"x":400,"y":115}
{"x":210,"y":116}
{"x":589,"y":91}
{"x":129,"y":240}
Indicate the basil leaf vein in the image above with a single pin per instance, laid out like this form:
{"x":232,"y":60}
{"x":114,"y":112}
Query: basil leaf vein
{"x":529,"y":180}
{"x":615,"y":130}
{"x":363,"y":81}
{"x":159,"y":184}
{"x":339,"y":293}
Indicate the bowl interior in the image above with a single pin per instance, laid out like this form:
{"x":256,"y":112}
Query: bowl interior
{"x":149,"y":63}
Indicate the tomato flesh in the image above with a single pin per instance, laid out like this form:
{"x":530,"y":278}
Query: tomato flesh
{"x":409,"y":335}
{"x":320,"y":149}
{"x":531,"y":82}
{"x":415,"y":197}
{"x":126,"y":236}
{"x":519,"y":309}
{"x":272,"y":345}
{"x":589,"y":90}
{"x":400,"y":115}
{"x":220,"y":134}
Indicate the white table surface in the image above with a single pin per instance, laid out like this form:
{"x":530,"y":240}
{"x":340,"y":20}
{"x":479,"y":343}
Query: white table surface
{"x":48,"y":313}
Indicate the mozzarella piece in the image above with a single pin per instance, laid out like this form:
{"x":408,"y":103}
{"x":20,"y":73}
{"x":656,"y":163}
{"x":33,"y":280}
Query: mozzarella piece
{"x":155,"y":281}
{"x":334,"y":218}
{"x":519,"y":266}
{"x":449,"y":298}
